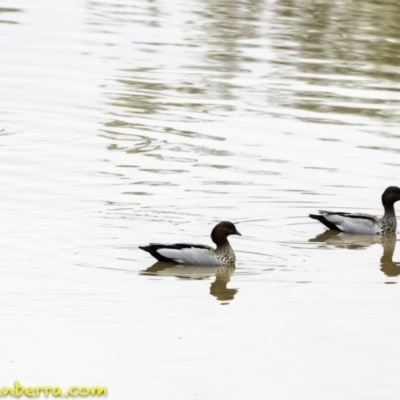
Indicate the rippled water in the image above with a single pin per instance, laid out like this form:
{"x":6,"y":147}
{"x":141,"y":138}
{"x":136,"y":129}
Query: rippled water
{"x":127,"y":122}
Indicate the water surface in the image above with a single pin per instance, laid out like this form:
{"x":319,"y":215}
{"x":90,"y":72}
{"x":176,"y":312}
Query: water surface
{"x":126,"y":122}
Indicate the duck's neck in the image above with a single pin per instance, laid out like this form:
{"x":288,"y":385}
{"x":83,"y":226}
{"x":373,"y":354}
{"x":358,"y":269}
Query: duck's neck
{"x":389,"y":210}
{"x":223,"y":244}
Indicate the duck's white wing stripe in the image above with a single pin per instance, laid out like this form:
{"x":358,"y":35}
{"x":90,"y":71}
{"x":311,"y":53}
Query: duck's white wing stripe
{"x":353,"y":225}
{"x":192,"y":255}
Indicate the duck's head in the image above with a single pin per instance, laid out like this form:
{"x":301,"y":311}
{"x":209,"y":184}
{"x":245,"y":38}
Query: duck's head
{"x":390,"y":196}
{"x":222,"y":230}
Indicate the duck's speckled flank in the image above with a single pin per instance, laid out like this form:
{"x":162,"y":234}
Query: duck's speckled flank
{"x":225,"y":254}
{"x":387,"y":224}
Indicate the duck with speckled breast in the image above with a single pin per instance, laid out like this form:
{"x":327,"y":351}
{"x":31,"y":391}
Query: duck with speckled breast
{"x":198,"y":254}
{"x":364,"y":223}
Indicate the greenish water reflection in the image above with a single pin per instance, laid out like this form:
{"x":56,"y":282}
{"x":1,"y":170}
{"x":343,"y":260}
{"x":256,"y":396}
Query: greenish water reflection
{"x":218,"y":287}
{"x":388,"y":266}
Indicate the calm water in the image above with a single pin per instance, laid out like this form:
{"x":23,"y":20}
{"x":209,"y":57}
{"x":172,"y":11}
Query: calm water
{"x":127,"y":122}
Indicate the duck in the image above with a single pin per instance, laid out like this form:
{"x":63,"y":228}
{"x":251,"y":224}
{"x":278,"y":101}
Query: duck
{"x":198,"y":254}
{"x":364,"y":223}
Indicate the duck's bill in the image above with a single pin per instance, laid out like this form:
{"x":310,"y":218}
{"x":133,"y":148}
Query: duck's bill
{"x":238,"y":233}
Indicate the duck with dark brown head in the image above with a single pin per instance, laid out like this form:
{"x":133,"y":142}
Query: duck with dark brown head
{"x":364,"y":223}
{"x":198,"y":254}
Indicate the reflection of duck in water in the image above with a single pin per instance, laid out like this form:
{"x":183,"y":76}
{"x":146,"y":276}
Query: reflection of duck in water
{"x":352,"y":241}
{"x":198,"y":254}
{"x":364,"y":223}
{"x":218,"y":288}
{"x":347,"y":240}
{"x":388,"y":266}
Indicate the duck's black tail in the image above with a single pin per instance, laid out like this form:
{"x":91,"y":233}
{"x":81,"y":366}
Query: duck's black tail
{"x":152,"y":249}
{"x":323,"y":220}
